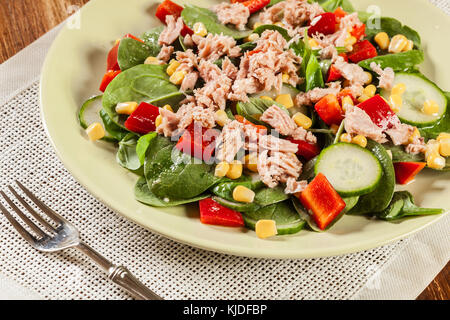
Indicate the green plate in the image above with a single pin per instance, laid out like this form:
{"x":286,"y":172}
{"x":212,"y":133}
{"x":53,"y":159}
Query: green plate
{"x":73,"y":71}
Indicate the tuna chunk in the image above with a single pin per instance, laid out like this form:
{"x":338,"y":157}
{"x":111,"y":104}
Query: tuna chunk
{"x":232,"y":13}
{"x":311,"y":97}
{"x":189,"y":81}
{"x":386,"y":76}
{"x":278,"y":167}
{"x":350,"y":71}
{"x":229,"y":69}
{"x":165,"y":53}
{"x":214,"y":94}
{"x":230,"y":141}
{"x":169,"y":124}
{"x":279,"y":120}
{"x":272,"y":143}
{"x":293,"y":186}
{"x":188,"y":60}
{"x":417,"y":146}
{"x":304,"y":135}
{"x":357,"y":121}
{"x":171,"y":31}
{"x":212,"y":47}
{"x":400,"y":133}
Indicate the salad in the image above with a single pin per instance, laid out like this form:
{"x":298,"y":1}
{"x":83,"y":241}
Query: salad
{"x":273,"y":115}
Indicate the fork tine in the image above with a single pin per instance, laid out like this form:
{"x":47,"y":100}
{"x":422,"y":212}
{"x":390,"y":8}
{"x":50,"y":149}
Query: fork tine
{"x":36,"y":215}
{"x":22,"y":231}
{"x":25,"y":219}
{"x":48,"y":211}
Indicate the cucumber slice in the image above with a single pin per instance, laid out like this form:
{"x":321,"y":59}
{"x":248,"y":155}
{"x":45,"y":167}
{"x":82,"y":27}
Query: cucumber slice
{"x":418,"y":90}
{"x":237,"y":206}
{"x":351,"y":170}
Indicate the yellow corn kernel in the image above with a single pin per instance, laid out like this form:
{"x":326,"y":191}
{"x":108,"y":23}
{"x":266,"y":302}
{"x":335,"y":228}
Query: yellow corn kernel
{"x":360,"y":140}
{"x":152,"y":60}
{"x":251,"y":161}
{"x":257,"y":24}
{"x":398,"y":43}
{"x":285,"y":78}
{"x":389,"y":152}
{"x":436,"y":162}
{"x":285,"y":100}
{"x":409,"y":46}
{"x":266,"y":97}
{"x":414,"y":136}
{"x":178,"y":77}
{"x":349,"y":42}
{"x":346,"y":137}
{"x":173,"y":66}
{"x":266,"y":228}
{"x":252,"y":37}
{"x":382,"y":39}
{"x":235,"y":171}
{"x":334,"y":128}
{"x":399,"y":89}
{"x":243,"y":194}
{"x":370,"y":90}
{"x":444,"y":147}
{"x":346,"y":101}
{"x":200,"y":29}
{"x":369,"y":78}
{"x":396,"y":102}
{"x":126,"y":107}
{"x":430,"y":107}
{"x":221,"y":169}
{"x":302,"y":120}
{"x":313,"y":44}
{"x":432,"y":148}
{"x":221,"y":117}
{"x":168,"y":107}
{"x":363,"y":98}
{"x":95,"y":131}
{"x":158,"y":121}
{"x":443,"y":136}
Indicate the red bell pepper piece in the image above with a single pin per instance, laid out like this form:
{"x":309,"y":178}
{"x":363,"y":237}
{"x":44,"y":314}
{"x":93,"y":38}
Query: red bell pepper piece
{"x":213,"y":213}
{"x":333,"y":74}
{"x":259,"y":128}
{"x":107,"y":78}
{"x":339,"y":13}
{"x":380,"y":112}
{"x":343,"y":55}
{"x":323,"y":202}
{"x":406,"y":171}
{"x":253,"y":5}
{"x":169,"y":8}
{"x":143,"y":119}
{"x":198,"y":142}
{"x":361,"y":51}
{"x":329,"y":110}
{"x":359,"y":32}
{"x":324,"y":23}
{"x":305,"y":149}
{"x":346,"y":92}
{"x":112,"y":63}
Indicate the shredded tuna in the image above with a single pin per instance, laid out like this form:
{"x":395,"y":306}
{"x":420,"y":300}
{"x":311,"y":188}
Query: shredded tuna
{"x":278,"y":167}
{"x":400,"y":133}
{"x":279,"y":120}
{"x":232,"y":13}
{"x":171,"y":31}
{"x":188,"y":40}
{"x":417,"y":146}
{"x":357,"y":121}
{"x":209,"y":71}
{"x":338,"y":38}
{"x":169,"y":123}
{"x":165,"y":53}
{"x":272,"y":143}
{"x":386,"y":76}
{"x":293,"y":186}
{"x":212,"y":47}
{"x":229,"y":69}
{"x":214,"y":94}
{"x":329,"y":52}
{"x":189,"y":81}
{"x":187,"y":59}
{"x":230,"y":141}
{"x":350,"y":71}
{"x":304,"y":135}
{"x":314,"y":95}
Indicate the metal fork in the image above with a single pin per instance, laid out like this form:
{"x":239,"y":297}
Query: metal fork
{"x":64,"y":235}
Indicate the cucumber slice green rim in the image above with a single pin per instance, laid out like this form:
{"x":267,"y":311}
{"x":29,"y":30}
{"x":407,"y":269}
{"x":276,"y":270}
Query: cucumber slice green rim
{"x":418,"y":90}
{"x":351,"y":169}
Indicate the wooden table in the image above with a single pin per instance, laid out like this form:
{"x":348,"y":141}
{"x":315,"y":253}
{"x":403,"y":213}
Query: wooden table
{"x":23,"y":21}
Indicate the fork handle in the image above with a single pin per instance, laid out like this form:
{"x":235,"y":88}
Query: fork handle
{"x":119,"y":275}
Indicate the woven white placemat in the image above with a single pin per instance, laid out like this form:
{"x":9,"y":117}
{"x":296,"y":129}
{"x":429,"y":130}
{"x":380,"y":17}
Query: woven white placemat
{"x":175,"y":271}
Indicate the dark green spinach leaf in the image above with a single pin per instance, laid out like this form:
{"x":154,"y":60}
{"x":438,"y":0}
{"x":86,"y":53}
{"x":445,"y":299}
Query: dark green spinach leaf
{"x":259,"y":30}
{"x":151,"y":40}
{"x":126,"y":155}
{"x":131,"y":53}
{"x":142,"y":145}
{"x":255,"y":107}
{"x":403,"y":61}
{"x":392,"y":27}
{"x":313,"y":77}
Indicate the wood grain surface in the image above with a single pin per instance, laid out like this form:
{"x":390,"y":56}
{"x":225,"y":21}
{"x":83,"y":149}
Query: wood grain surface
{"x":23,"y":21}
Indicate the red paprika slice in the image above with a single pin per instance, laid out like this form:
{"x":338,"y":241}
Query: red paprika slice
{"x":143,"y":119}
{"x":213,"y":213}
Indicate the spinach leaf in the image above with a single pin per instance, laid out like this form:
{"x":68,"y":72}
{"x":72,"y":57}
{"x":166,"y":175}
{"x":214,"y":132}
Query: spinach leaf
{"x":259,"y":30}
{"x":287,"y":219}
{"x":142,"y":145}
{"x":273,"y":2}
{"x":332,"y":5}
{"x":114,"y":130}
{"x":151,"y":40}
{"x":313,"y":78}
{"x":237,"y":206}
{"x":173,"y":174}
{"x":131,"y":53}
{"x":443,"y":125}
{"x":148,"y":83}
{"x":403,"y":61}
{"x":392,"y":27}
{"x":144,"y":195}
{"x":247,"y":46}
{"x":193,"y":14}
{"x":400,"y":155}
{"x":402,"y":206}
{"x":380,"y":198}
{"x":308,"y":170}
{"x":126,"y":155}
{"x":255,"y":107}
